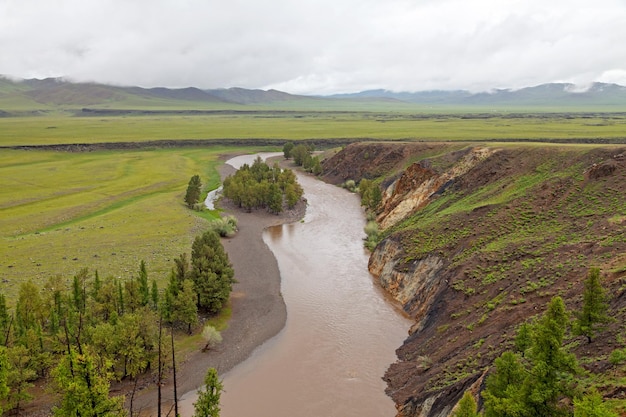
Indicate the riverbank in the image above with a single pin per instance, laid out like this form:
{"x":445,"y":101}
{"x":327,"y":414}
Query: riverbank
{"x":258,"y":309}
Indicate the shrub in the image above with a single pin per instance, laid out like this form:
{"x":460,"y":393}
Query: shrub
{"x":373,"y":236}
{"x":225,"y":226}
{"x":617,"y":356}
{"x":350,"y":185}
{"x":212,"y":337}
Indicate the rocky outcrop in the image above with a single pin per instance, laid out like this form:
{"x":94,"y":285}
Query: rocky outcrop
{"x":419,"y":183}
{"x":413,"y":285}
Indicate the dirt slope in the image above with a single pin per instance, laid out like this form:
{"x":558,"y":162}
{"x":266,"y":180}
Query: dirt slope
{"x":476,"y":240}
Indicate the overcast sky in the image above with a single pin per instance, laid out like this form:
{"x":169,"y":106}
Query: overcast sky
{"x":316,"y":46}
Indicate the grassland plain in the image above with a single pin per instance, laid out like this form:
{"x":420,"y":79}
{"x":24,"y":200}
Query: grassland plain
{"x":65,"y":128}
{"x":60,"y":212}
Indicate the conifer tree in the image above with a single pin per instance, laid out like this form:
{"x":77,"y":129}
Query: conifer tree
{"x":193,"y":191}
{"x":208,"y":404}
{"x":4,"y":376}
{"x":144,"y":289}
{"x":593,"y":315}
{"x":84,"y":387}
{"x":211,"y":272}
{"x":592,"y":405}
{"x":467,"y":406}
{"x":523,"y":340}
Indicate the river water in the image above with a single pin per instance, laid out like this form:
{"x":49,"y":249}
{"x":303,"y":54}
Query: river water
{"x":341,"y":331}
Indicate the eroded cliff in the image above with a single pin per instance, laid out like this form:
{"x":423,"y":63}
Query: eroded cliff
{"x":476,"y":240}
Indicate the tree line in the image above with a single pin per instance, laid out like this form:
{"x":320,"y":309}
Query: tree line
{"x":261,"y":186}
{"x":538,"y":377}
{"x":83,"y":334}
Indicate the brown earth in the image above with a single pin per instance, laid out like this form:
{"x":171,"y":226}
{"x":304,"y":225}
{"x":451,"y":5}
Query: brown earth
{"x":467,"y":301}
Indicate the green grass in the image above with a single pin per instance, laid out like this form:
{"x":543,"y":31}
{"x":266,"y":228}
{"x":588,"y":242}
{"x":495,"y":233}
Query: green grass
{"x":60,"y":211}
{"x":270,"y":124}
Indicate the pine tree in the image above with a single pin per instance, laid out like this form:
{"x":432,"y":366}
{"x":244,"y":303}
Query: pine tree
{"x":593,"y":316}
{"x":208,"y":404}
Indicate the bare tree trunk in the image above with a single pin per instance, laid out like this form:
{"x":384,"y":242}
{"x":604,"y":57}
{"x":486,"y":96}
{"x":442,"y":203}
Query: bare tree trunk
{"x":160,"y":370}
{"x":174,"y":370}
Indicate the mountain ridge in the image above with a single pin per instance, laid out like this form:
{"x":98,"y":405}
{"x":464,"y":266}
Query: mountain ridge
{"x":58,"y":92}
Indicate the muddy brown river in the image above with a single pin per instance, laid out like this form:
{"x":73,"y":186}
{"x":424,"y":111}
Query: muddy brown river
{"x":341,"y":331}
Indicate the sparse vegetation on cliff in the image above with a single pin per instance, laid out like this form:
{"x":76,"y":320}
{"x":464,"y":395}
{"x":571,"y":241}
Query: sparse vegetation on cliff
{"x":475,"y":239}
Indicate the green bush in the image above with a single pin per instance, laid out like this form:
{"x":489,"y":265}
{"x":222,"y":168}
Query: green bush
{"x":225,"y":226}
{"x":617,"y":356}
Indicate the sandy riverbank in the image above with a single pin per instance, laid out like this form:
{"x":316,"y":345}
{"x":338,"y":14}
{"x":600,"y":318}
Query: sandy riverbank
{"x":258,"y":310}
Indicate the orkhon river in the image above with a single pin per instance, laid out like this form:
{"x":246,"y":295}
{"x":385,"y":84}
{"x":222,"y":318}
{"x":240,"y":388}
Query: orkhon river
{"x":341,"y":331}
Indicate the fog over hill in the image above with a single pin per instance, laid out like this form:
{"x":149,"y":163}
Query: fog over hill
{"x":61,"y":92}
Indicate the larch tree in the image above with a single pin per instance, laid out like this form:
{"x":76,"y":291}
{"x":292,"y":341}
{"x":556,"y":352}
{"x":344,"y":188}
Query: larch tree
{"x":84,"y":388}
{"x":467,"y":406}
{"x":211,"y":272}
{"x":208,"y":404}
{"x":593,"y":315}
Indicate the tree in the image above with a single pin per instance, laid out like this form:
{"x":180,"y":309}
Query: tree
{"x":84,"y":387}
{"x":591,"y":405}
{"x":466,"y":407}
{"x":552,"y":364}
{"x":211,"y":272}
{"x":593,"y":315}
{"x":533,"y":387}
{"x":503,"y":395}
{"x":208,"y":404}
{"x":523,"y":340}
{"x":371,"y":196}
{"x":5,"y":319}
{"x":29,"y":308}
{"x":300,"y":154}
{"x":193,"y":191}
{"x":287,"y":148}
{"x":317,"y":166}
{"x":142,"y":280}
{"x":19,"y":376}
{"x":184,"y":306}
{"x":259,"y":186}
{"x":4,"y":376}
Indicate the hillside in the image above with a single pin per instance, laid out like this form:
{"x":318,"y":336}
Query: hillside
{"x":59,"y":94}
{"x":554,"y":95}
{"x":476,"y":240}
{"x":54,"y":94}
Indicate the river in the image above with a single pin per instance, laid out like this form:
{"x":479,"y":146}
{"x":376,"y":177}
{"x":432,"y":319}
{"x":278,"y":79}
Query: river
{"x":341,"y":331}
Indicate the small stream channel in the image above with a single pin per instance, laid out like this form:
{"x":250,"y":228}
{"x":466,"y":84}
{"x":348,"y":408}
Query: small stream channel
{"x":341,"y":331}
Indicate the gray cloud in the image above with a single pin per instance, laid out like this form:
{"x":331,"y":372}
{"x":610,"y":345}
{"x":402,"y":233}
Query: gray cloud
{"x":316,"y":46}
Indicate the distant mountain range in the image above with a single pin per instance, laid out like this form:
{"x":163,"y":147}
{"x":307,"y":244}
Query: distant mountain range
{"x":541,"y":95}
{"x":56,"y":92}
